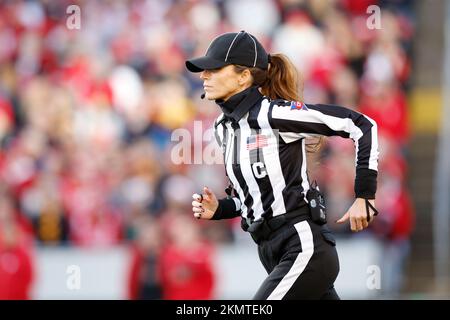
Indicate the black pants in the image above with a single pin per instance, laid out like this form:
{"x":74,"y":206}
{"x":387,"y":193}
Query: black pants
{"x":301,"y":261}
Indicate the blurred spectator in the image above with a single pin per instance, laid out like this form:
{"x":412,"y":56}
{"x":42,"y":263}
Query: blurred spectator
{"x":16,"y":260}
{"x":265,"y":10}
{"x":6,"y":118}
{"x":186,"y":262}
{"x":397,"y":220}
{"x":144,"y":278}
{"x":42,"y":204}
{"x":386,"y":104}
{"x":309,"y":41}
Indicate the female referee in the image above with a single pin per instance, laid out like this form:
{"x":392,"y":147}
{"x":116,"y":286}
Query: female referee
{"x":262,"y":131}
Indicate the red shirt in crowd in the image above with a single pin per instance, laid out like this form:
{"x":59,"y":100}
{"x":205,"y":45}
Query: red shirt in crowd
{"x":187,"y":273}
{"x":16,"y":264}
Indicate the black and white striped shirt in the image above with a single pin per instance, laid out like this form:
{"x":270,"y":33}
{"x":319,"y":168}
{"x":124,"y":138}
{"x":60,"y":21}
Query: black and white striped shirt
{"x":263,"y":143}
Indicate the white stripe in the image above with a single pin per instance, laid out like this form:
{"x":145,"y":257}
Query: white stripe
{"x":237,"y":202}
{"x":247,"y":171}
{"x":219,"y":129}
{"x":226,"y":57}
{"x":289,"y":137}
{"x":229,"y":168}
{"x":272,"y":163}
{"x":256,"y":52}
{"x":220,"y":117}
{"x":229,"y":144}
{"x":373,"y":160}
{"x":300,"y":263}
{"x":305,"y":182}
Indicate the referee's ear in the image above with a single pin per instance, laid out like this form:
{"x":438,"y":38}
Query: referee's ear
{"x":245,"y":78}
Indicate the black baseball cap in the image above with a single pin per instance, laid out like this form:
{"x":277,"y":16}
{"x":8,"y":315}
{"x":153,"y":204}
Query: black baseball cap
{"x":231,"y":48}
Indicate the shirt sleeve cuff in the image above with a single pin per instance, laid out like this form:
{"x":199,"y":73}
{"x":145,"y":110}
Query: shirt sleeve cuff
{"x":227,"y":209}
{"x":366,"y":183}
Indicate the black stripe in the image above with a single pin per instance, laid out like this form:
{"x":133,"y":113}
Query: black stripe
{"x":333,"y":110}
{"x":365,"y":142}
{"x":291,"y":159}
{"x":364,"y":148}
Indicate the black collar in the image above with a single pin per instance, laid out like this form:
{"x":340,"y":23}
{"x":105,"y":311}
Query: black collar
{"x":239,"y":104}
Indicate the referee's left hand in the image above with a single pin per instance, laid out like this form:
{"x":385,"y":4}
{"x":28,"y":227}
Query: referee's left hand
{"x":357,"y":215}
{"x":205,"y":205}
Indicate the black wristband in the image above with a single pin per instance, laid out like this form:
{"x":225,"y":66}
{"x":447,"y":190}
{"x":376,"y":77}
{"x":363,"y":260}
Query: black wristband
{"x":226,"y":210}
{"x":366,"y":183}
{"x":218,"y":213}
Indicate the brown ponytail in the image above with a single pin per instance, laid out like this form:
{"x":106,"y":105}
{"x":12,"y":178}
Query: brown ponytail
{"x":281,"y":81}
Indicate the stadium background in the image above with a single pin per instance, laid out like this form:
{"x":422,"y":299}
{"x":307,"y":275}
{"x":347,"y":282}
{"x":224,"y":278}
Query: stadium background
{"x":91,"y":203}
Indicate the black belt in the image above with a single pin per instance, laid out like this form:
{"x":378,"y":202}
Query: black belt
{"x":263,"y":229}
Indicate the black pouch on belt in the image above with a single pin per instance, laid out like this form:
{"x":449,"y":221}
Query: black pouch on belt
{"x":316,"y":205}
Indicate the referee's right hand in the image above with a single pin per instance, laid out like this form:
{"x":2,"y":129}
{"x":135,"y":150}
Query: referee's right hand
{"x":205,"y":205}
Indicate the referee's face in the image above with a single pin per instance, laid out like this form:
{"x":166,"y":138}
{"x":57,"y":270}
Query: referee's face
{"x":224,"y":82}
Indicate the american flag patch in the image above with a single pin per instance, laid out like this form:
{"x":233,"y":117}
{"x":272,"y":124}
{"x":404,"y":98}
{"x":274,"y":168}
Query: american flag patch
{"x":297,"y":105}
{"x":256,"y":142}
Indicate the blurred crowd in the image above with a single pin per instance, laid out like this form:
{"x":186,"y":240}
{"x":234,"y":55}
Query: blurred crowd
{"x":87,"y":115}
